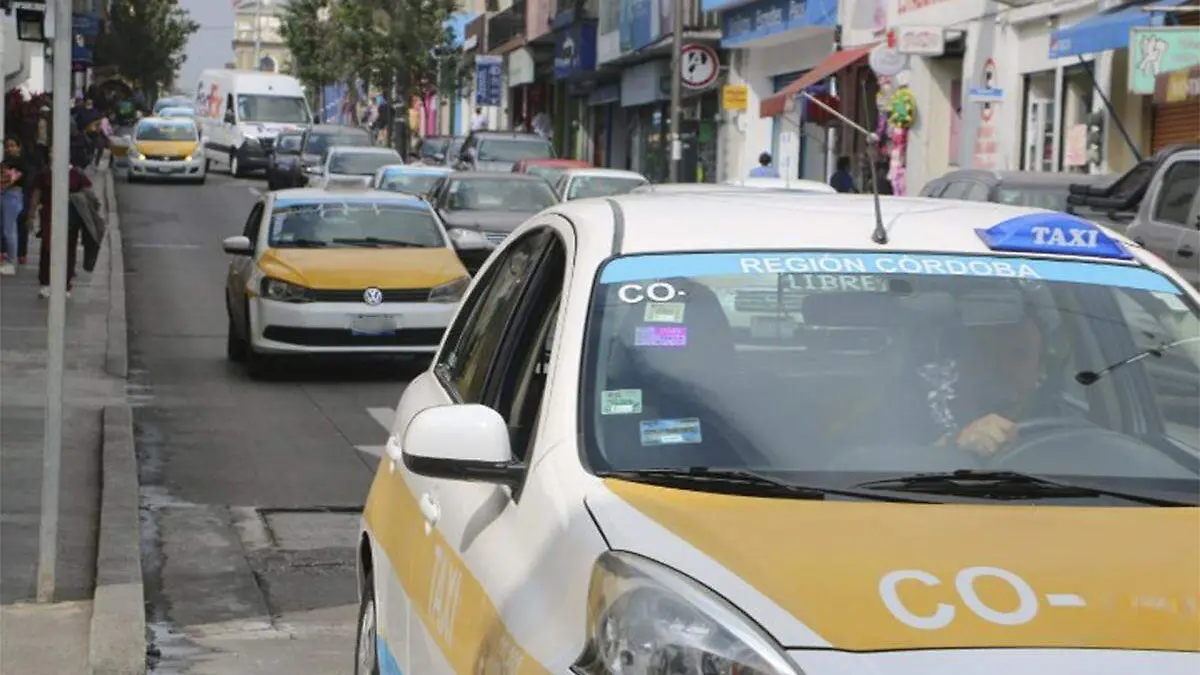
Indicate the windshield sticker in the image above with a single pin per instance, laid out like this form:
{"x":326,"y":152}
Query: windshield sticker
{"x":659,"y":291}
{"x":823,"y":283}
{"x":664,"y":312}
{"x":670,"y":432}
{"x":660,"y":336}
{"x":621,"y":402}
{"x":642,"y":267}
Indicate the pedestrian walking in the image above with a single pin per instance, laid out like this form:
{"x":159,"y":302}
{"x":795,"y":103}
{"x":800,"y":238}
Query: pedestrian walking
{"x":104,"y":134}
{"x":27,"y":162}
{"x":480,"y":122}
{"x":764,"y":168}
{"x":11,"y":203}
{"x":76,"y":181}
{"x":841,"y":180}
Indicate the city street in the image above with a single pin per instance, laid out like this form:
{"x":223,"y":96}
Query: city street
{"x":251,"y":490}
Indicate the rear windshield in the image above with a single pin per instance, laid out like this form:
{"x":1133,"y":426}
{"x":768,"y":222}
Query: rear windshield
{"x":836,"y":368}
{"x":353,"y":223}
{"x":1053,"y":198}
{"x":361,"y":163}
{"x":318,"y":143}
{"x":514,"y":150}
{"x":411,"y":183}
{"x":583,"y":187}
{"x":481,"y":194}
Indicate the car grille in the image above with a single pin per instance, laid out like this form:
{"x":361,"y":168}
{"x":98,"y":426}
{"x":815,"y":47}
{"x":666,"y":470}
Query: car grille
{"x":356,"y":295}
{"x":766,"y":301}
{"x":495,"y":238}
{"x":341,"y":337}
{"x":266,"y":144}
{"x":166,"y":158}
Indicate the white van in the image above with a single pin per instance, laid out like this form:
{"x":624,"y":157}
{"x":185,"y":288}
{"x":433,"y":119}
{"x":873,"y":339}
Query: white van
{"x":241,"y":112}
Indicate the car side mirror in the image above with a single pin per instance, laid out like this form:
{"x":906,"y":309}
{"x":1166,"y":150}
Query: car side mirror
{"x":468,"y":442}
{"x":238,"y":245}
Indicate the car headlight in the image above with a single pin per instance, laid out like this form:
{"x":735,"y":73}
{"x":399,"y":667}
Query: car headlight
{"x":198,"y":153}
{"x":134,"y":153}
{"x":313,"y":170}
{"x":283,"y":291}
{"x":451,"y":291}
{"x":464,"y":238}
{"x":647,"y":619}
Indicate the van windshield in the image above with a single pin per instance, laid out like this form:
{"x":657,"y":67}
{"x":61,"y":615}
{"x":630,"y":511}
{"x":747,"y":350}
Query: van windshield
{"x":276,"y":109}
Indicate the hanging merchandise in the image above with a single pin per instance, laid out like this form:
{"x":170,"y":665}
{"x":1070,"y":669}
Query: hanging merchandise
{"x":896,"y":170}
{"x":902,"y":108}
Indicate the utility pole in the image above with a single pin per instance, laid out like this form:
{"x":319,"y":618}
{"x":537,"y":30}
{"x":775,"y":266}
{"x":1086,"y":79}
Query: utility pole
{"x":257,"y":33}
{"x":60,"y":145}
{"x":676,"y":90}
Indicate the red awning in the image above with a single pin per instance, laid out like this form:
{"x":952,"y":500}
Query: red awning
{"x":777,"y":104}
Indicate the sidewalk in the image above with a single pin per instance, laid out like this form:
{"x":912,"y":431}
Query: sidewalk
{"x":87,"y":390}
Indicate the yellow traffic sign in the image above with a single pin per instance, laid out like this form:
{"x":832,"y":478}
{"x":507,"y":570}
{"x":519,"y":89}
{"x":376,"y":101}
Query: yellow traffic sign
{"x":734,"y":97}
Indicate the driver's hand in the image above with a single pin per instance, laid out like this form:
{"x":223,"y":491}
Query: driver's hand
{"x":987,"y":434}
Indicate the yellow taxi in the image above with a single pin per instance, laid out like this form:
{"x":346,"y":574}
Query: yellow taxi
{"x":339,"y":271}
{"x":963,"y":438}
{"x":165,"y":148}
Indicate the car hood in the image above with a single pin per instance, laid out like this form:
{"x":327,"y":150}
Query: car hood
{"x":871,"y":576}
{"x":487,"y":221}
{"x":502,"y":167}
{"x":359,"y":268}
{"x":170,"y":148}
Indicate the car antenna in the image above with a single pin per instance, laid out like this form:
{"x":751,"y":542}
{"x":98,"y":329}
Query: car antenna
{"x":880,"y":235}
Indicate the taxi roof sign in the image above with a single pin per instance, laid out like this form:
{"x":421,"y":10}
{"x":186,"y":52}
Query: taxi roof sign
{"x":1052,"y":233}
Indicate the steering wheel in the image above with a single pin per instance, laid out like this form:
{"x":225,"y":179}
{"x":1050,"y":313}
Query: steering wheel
{"x":1031,"y":433}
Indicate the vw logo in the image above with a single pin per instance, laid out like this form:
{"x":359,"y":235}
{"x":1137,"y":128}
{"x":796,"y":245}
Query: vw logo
{"x":373,"y":296}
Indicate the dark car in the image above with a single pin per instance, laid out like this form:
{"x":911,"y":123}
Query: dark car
{"x":1034,"y":189}
{"x":439,"y":150}
{"x":501,"y":150}
{"x":316,"y":140}
{"x":481,"y":209}
{"x":279,"y":163}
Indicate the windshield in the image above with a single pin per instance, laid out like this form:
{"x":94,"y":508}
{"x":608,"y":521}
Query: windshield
{"x":843,"y":367}
{"x":411,"y":183}
{"x":1050,"y":197}
{"x":431,"y":147}
{"x":353,"y":223}
{"x":178,"y":112}
{"x":170,"y":103}
{"x":481,"y":194}
{"x":163,"y":130}
{"x":550,"y":173}
{"x":277,"y":109}
{"x":583,"y":187}
{"x":319,"y":143}
{"x":512,"y":150}
{"x":361,"y":163}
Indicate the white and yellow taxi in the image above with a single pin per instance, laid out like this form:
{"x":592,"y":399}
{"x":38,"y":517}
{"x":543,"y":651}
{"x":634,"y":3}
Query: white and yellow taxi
{"x":339,"y":271}
{"x":607,"y":472}
{"x":165,"y":148}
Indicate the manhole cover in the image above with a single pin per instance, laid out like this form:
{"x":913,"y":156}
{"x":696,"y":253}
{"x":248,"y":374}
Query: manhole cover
{"x":311,"y":531}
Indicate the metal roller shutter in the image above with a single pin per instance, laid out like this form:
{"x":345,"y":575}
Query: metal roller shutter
{"x":1174,"y":123}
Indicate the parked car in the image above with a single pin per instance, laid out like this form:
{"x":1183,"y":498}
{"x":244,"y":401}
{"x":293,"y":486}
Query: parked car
{"x":1037,"y":189}
{"x":282,"y":158}
{"x":586,"y":183}
{"x":1156,"y":204}
{"x":480,"y":209}
{"x":550,"y":169}
{"x":353,"y":164}
{"x":414,"y":179}
{"x":316,"y":140}
{"x":500,"y":150}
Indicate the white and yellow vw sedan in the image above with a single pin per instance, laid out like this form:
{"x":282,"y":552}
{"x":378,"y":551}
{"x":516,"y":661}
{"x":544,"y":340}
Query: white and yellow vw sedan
{"x":737,"y":434}
{"x":166,"y":148}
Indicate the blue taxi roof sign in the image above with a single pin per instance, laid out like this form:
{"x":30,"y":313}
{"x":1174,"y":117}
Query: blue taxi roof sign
{"x":1052,"y":233}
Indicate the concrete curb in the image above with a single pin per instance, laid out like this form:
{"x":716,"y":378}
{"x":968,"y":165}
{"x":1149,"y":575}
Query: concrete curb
{"x":117,"y":643}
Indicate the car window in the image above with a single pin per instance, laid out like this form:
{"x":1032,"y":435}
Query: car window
{"x":977,"y":192}
{"x":1053,"y":198}
{"x":584,"y":187}
{"x":410,"y":183}
{"x":431,"y":147}
{"x":552,"y":174}
{"x":513,"y":150}
{"x":253,"y":223}
{"x":361,"y":163}
{"x":274,"y":109}
{"x":319,"y":143}
{"x":474,"y":338}
{"x":1178,"y":190}
{"x":933,"y":189}
{"x":354,"y":222}
{"x":176,"y":129}
{"x":956,"y":190}
{"x":484,"y":194}
{"x":839,"y":366}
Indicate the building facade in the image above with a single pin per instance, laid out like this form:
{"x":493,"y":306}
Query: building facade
{"x":258,"y":37}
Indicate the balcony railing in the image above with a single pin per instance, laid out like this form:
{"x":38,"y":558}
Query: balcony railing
{"x":506,"y":25}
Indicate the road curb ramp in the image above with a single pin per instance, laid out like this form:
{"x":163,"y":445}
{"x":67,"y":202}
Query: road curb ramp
{"x":117,"y":644}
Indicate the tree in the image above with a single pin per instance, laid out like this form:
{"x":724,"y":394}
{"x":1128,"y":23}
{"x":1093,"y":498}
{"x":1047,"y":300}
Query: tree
{"x":145,"y":40}
{"x":310,"y":42}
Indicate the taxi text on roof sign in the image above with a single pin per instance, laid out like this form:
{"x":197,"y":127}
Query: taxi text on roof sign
{"x":1054,"y":234}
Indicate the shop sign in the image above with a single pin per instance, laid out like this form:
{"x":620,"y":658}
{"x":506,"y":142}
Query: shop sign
{"x":643,"y":83}
{"x":1153,"y":51}
{"x":87,"y":25}
{"x":918,"y":40}
{"x":489,"y":79}
{"x":989,"y":93}
{"x":575,"y":51}
{"x":886,"y":61}
{"x":735,"y":97}
{"x":771,"y":17}
{"x":700,"y":66}
{"x":520,"y":68}
{"x":1180,"y":85}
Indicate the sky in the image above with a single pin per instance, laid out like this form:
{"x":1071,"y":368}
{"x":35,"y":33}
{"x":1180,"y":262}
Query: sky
{"x":212,"y":45}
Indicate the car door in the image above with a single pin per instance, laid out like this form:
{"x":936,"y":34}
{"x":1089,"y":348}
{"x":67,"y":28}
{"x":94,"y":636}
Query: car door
{"x":1166,"y":225}
{"x":241,"y":268}
{"x":435,"y":587}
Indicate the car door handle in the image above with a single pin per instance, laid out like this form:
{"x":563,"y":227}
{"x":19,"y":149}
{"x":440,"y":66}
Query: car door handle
{"x":430,"y":511}
{"x":1185,"y":252}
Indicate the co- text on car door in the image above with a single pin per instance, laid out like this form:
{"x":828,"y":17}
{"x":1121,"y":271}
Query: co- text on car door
{"x":1168,"y":227}
{"x":461,"y":565}
{"x":240,"y":270}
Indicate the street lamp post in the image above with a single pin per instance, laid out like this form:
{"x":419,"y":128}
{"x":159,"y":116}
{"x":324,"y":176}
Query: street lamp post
{"x":676,"y":91}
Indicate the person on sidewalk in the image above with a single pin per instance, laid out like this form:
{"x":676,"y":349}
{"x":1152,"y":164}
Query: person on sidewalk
{"x":764,"y":168}
{"x":27,"y":161}
{"x":841,"y":180}
{"x":104,"y":137}
{"x":42,"y":198}
{"x":11,"y":203}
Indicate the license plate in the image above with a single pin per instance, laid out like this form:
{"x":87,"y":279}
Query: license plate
{"x":371,"y":324}
{"x":167,"y":169}
{"x":769,"y":327}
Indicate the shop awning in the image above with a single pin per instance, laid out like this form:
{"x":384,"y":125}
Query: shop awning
{"x":1108,"y":29}
{"x":777,"y":104}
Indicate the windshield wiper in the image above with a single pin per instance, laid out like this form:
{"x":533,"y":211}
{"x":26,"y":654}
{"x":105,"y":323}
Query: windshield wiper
{"x":1002,"y":485}
{"x":302,"y":243}
{"x":377,"y":242}
{"x":1087,"y":377}
{"x":747,"y":482}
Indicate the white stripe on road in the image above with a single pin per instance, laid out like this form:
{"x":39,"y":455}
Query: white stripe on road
{"x":384,"y":417}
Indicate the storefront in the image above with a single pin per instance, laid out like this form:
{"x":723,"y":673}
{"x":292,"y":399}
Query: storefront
{"x":645,"y":102}
{"x":1176,"y":108}
{"x":574,"y":69}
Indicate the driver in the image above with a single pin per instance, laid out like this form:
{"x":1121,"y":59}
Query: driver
{"x":1002,"y":369}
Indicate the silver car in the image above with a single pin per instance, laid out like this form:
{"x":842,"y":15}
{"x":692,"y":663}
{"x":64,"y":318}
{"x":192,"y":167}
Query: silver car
{"x":352,"y":165}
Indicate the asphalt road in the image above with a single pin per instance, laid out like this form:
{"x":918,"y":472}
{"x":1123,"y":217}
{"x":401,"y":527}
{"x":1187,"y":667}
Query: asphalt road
{"x":251,"y":490}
